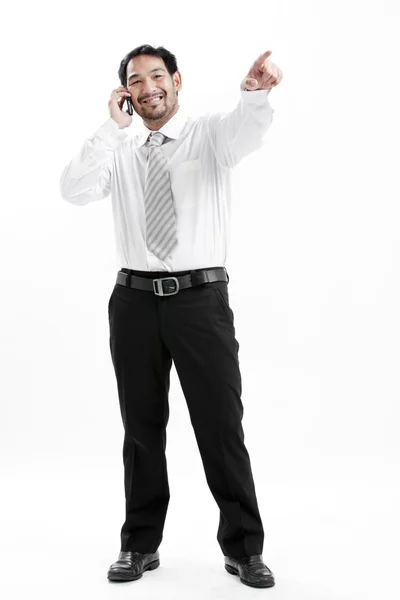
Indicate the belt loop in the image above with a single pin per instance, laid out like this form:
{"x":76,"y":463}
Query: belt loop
{"x":227,"y":275}
{"x":193,"y":278}
{"x":128,"y":278}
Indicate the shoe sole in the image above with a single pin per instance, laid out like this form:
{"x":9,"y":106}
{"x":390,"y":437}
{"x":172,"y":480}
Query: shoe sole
{"x":121,"y":576}
{"x":234,"y":571}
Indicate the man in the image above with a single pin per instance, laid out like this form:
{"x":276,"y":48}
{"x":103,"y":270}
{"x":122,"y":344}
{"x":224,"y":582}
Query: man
{"x":170,"y":188}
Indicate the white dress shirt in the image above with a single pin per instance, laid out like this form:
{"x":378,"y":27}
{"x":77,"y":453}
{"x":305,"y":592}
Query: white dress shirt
{"x":200,"y":152}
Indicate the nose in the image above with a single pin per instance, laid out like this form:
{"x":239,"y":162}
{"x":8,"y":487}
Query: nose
{"x":148,"y":89}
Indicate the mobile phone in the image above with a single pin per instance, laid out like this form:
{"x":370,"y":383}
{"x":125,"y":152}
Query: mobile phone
{"x":130,"y":105}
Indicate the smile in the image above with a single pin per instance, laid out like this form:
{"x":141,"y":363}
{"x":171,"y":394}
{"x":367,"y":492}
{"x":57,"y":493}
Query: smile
{"x":154,"y":100}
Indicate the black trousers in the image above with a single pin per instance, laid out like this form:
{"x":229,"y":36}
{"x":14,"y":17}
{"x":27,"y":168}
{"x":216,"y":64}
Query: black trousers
{"x":195,"y":329}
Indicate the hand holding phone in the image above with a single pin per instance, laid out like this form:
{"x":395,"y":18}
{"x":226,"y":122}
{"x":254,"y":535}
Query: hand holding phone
{"x":115,"y":104}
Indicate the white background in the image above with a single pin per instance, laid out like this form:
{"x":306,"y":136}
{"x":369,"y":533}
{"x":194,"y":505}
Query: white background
{"x":314,"y":285}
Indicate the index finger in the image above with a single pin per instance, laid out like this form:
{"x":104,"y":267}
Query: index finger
{"x":262,"y":57}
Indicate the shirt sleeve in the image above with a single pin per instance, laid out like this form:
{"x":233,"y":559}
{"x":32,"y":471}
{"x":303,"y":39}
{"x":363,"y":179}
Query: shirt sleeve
{"x":87,"y":177}
{"x":240,"y":132}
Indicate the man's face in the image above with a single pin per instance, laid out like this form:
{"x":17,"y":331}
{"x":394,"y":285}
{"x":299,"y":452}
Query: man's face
{"x":148,"y":77}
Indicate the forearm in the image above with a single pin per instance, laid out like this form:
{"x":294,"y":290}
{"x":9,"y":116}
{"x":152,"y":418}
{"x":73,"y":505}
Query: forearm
{"x":240,"y":132}
{"x":87,"y":177}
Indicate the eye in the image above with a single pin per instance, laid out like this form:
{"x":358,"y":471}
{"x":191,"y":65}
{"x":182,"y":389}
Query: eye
{"x":138,"y":80}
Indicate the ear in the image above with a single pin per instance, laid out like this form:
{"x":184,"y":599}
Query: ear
{"x":177,"y":78}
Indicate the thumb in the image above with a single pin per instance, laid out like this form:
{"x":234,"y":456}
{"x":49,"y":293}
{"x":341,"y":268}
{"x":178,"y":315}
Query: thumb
{"x":251,"y":83}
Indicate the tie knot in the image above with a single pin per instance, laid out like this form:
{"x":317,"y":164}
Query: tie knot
{"x":155,"y":139}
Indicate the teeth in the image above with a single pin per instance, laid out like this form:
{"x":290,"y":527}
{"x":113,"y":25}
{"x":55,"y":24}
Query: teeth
{"x":153,"y":100}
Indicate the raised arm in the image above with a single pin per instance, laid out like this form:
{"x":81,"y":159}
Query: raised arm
{"x":240,"y":132}
{"x":87,"y":177}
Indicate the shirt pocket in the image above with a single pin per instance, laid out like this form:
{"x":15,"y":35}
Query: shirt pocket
{"x":185,"y":182}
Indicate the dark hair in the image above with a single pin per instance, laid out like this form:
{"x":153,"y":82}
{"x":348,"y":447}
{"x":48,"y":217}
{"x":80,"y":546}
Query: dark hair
{"x":168,"y":58}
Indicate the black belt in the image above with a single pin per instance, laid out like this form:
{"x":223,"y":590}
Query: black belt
{"x":167,"y":286}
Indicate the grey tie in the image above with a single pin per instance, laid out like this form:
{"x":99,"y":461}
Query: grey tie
{"x":159,"y":207}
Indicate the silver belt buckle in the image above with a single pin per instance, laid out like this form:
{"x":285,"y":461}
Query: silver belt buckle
{"x":161,"y":292}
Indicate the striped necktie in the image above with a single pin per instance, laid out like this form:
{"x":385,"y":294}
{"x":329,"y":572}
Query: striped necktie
{"x":159,"y":207}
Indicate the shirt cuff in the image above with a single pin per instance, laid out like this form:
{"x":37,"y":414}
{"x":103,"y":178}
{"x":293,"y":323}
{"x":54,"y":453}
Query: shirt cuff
{"x":256,"y":96}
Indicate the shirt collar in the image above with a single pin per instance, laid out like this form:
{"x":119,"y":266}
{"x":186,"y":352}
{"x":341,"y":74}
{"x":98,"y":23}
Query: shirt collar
{"x":171,"y":129}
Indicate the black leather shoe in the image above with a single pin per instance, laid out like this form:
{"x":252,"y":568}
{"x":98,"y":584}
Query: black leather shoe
{"x":131,"y":565}
{"x":251,"y":569}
